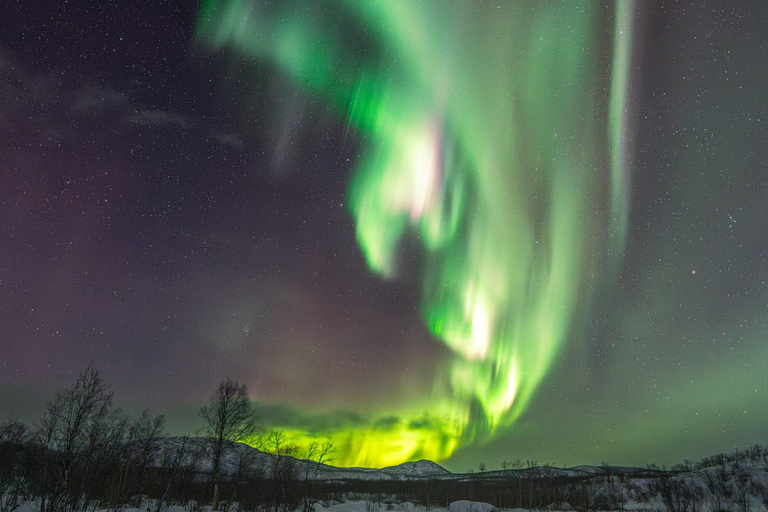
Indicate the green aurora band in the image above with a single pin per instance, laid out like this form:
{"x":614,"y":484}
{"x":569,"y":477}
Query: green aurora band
{"x":489,"y":145}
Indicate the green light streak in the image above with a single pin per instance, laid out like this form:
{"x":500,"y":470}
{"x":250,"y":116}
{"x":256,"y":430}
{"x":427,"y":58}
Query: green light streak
{"x":489,"y":151}
{"x":617,"y":122}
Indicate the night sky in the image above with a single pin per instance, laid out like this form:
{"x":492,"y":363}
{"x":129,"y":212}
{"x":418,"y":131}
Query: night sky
{"x":464,"y":232}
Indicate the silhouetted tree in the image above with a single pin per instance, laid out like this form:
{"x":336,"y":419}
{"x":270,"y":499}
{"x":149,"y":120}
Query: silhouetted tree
{"x":13,"y":431}
{"x":229,"y":417}
{"x":13,"y":487}
{"x":245,"y":469}
{"x":179,"y":465}
{"x":78,"y":431}
{"x":284,"y":471}
{"x":318,"y":453}
{"x":677,"y":494}
{"x":144,"y":436}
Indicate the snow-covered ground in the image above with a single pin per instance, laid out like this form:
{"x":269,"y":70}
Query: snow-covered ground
{"x":738,"y":482}
{"x":351,"y":506}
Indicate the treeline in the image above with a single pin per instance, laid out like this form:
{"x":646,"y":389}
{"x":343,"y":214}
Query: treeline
{"x":738,"y":485}
{"x":750,"y":453}
{"x":85,"y":453}
{"x":83,"y":447}
{"x":507,"y":492}
{"x":733,"y":482}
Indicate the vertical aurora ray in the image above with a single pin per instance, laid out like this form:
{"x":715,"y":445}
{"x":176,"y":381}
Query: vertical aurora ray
{"x":487,"y":142}
{"x":618,"y":129}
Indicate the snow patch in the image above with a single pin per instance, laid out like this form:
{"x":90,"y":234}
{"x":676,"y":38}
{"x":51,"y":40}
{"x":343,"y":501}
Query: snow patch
{"x":471,"y":506}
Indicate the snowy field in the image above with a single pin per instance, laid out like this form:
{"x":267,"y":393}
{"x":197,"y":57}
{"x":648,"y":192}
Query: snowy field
{"x":351,"y":506}
{"x":736,"y":482}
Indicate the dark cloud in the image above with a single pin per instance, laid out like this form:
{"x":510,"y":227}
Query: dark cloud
{"x":51,"y":108}
{"x":159,"y":118}
{"x":285,"y":415}
{"x":387,"y":423}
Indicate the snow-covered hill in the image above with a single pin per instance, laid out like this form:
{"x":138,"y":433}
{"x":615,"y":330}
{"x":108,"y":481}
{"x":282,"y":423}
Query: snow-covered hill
{"x":419,"y":468}
{"x":736,"y":482}
{"x":193,"y":452}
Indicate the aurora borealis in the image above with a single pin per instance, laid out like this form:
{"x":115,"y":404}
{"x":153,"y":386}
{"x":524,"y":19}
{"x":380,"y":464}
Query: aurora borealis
{"x":499,"y":194}
{"x":463,"y":232}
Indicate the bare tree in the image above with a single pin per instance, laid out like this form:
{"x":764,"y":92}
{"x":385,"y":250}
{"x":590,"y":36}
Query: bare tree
{"x":106,"y":455}
{"x":745,"y":485}
{"x":179,"y":465}
{"x":69,"y":428}
{"x":229,"y":418}
{"x":13,"y":431}
{"x":677,"y":494}
{"x":13,"y":437}
{"x":285,"y":473}
{"x":145,"y":435}
{"x":135,"y":451}
{"x":716,"y":481}
{"x":318,"y":454}
{"x":245,"y":469}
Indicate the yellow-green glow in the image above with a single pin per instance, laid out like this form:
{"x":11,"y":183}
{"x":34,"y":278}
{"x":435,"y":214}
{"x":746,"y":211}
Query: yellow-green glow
{"x":388,"y":440}
{"x":486,"y":140}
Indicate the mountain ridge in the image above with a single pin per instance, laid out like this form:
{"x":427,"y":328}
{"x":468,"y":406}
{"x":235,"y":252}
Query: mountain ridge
{"x":422,"y":469}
